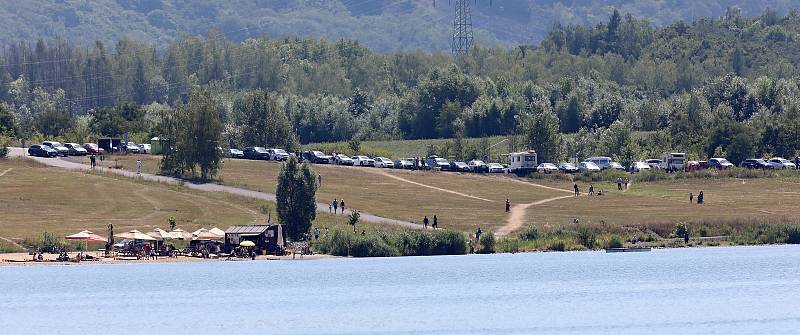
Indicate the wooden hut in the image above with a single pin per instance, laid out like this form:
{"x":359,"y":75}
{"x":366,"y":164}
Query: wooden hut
{"x":269,"y":239}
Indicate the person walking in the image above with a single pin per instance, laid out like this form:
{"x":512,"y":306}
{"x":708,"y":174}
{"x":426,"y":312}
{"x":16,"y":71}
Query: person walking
{"x":591,"y":189}
{"x":435,"y":222}
{"x":577,"y":190}
{"x":627,"y":181}
{"x":425,"y":222}
{"x":341,"y":205}
{"x":335,"y":205}
{"x":508,"y":206}
{"x":691,"y":197}
{"x":93,"y":161}
{"x":700,"y":198}
{"x":138,"y":166}
{"x":319,"y":180}
{"x":330,"y":208}
{"x":619,"y":183}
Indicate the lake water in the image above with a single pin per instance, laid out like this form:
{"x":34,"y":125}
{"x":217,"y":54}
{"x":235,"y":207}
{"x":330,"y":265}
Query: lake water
{"x":742,"y":290}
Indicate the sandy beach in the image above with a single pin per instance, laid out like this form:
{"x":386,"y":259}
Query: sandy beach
{"x":23,"y":259}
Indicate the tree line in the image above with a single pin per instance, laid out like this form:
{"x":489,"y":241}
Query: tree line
{"x":623,"y":88}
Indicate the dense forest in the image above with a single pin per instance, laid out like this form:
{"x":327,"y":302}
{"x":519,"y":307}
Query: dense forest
{"x":715,"y":86}
{"x":381,"y":25}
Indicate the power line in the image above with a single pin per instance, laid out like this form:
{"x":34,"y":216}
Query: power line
{"x":463,"y":37}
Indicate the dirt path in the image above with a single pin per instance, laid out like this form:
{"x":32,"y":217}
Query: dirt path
{"x":517,"y":214}
{"x":6,"y":171}
{"x":207,"y":187}
{"x":386,"y":174}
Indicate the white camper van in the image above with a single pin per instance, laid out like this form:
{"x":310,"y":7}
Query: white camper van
{"x":522,"y":162}
{"x":673,"y":161}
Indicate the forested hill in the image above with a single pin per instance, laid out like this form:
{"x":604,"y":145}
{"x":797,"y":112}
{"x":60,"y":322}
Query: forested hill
{"x":382,"y":25}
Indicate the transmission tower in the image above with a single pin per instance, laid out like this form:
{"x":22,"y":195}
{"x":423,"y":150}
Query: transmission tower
{"x":462,"y":29}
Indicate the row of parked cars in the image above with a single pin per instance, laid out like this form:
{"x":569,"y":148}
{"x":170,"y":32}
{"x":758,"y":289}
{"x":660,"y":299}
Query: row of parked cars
{"x":55,"y":149}
{"x":671,"y":163}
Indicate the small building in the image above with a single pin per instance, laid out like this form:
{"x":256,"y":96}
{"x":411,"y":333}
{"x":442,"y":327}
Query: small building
{"x":110,"y":144}
{"x":156,"y":146}
{"x":269,"y":239}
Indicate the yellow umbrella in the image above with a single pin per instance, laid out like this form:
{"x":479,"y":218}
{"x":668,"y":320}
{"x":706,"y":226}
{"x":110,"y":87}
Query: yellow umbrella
{"x":247,"y":244}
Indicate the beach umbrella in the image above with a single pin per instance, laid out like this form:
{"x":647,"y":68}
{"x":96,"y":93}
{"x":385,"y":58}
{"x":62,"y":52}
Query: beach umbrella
{"x":86,"y":236}
{"x":247,"y":244}
{"x":160,"y":234}
{"x":203,"y":234}
{"x":180,"y":234}
{"x":135,"y":235}
{"x":217,"y":231}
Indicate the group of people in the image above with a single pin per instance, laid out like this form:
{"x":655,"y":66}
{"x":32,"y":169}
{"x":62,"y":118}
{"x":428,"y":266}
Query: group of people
{"x":700,"y":198}
{"x":622,"y":184}
{"x":336,"y":205}
{"x":426,"y":221}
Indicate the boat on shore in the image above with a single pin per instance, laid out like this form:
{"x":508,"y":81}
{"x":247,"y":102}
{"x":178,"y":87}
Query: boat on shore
{"x":633,"y":249}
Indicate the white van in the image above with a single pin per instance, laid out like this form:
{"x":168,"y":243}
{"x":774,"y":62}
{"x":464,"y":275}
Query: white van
{"x":602,"y":162}
{"x":673,"y":161}
{"x":521,"y":162}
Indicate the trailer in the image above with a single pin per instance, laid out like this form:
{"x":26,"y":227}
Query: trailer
{"x":523,"y":162}
{"x":673,"y":161}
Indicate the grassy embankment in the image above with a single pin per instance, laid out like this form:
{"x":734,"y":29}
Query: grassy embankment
{"x":38,"y":199}
{"x":744,"y":206}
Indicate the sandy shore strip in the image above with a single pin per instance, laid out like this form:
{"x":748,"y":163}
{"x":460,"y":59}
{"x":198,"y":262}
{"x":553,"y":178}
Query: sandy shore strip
{"x":23,"y":259}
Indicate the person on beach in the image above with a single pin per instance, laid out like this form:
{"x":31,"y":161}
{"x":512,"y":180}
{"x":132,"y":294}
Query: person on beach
{"x":335,"y":205}
{"x":425,"y":222}
{"x":508,"y":206}
{"x":435,"y":222}
{"x":341,"y":205}
{"x":138,"y":166}
{"x":577,"y":190}
{"x":591,"y":189}
{"x":700,"y":198}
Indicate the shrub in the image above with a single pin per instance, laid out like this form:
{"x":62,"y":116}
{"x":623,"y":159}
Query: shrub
{"x":586,"y":237}
{"x":486,"y":243}
{"x":530,"y":233}
{"x":511,"y":245}
{"x":557,"y":245}
{"x":371,"y":246}
{"x":793,"y":235}
{"x":681,"y":229}
{"x":613,"y":242}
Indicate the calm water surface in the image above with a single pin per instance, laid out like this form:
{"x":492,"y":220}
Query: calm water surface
{"x":742,"y":290}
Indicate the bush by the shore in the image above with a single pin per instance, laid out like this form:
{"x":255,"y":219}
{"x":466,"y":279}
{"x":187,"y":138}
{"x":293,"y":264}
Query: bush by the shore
{"x":389,"y":244}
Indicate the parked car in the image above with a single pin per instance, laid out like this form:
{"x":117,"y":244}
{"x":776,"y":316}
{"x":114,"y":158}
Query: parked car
{"x":459,"y":167}
{"x":568,"y":168}
{"x":654,"y":163}
{"x":478,"y":166}
{"x":404,"y":163}
{"x":588,"y":167}
{"x":342,"y":159}
{"x":435,"y":162}
{"x":39,"y":150}
{"x":779,"y":163}
{"x":362,"y":160}
{"x":720,"y":163}
{"x":495,"y":168}
{"x":62,"y":150}
{"x":76,"y":149}
{"x":547,"y":168}
{"x":92,"y":148}
{"x":130,"y":147}
{"x":754,"y":163}
{"x":234,"y":153}
{"x":639,"y":167}
{"x":383,"y":162}
{"x":278,"y":154}
{"x":317,"y":157}
{"x":256,"y":153}
{"x":601,"y":162}
{"x":616,"y":166}
{"x":145,"y":148}
{"x":691,"y":166}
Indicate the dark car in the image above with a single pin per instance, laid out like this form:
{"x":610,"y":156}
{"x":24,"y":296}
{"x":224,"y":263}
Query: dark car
{"x":76,"y":149}
{"x":404,"y":163}
{"x":317,"y":157}
{"x":256,"y":153}
{"x":92,"y":148}
{"x":753,"y":163}
{"x":568,"y":168}
{"x":42,"y":151}
{"x":459,"y":167}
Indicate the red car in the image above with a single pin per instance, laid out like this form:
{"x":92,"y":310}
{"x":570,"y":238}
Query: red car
{"x":92,"y":148}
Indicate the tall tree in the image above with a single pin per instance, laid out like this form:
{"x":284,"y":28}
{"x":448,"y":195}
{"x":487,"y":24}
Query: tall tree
{"x":205,"y":134}
{"x":296,"y":197}
{"x":263,"y":123}
{"x":540,"y":127}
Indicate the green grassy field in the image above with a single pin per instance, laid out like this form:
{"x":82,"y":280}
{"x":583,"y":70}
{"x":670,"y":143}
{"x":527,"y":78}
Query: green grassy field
{"x":38,"y":199}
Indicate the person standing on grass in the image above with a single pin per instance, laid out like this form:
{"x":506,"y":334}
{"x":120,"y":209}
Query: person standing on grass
{"x":425,"y":222}
{"x":316,"y":233}
{"x":341,"y":205}
{"x":591,"y":189}
{"x":691,"y":197}
{"x":478,"y":233}
{"x":138,"y":166}
{"x":700,"y":198}
{"x":335,"y":205}
{"x":319,"y":180}
{"x":626,"y":183}
{"x":93,"y":161}
{"x":435,"y":222}
{"x":508,"y":206}
{"x":330,"y":208}
{"x":577,"y":190}
{"x":619,"y":183}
